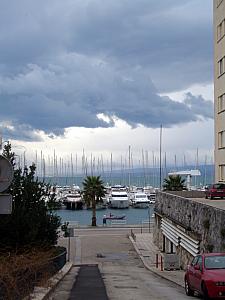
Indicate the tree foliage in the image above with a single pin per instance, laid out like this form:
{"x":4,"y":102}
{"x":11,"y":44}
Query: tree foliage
{"x":93,"y":191}
{"x":174,"y":183}
{"x":31,"y":223}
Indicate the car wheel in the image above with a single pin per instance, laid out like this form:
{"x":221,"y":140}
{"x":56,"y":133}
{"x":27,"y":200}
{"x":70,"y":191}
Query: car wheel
{"x":188,"y":290}
{"x":206,"y":197}
{"x":205,"y":292}
{"x":211,"y":197}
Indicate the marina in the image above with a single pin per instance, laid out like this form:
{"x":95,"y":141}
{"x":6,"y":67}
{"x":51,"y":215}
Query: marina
{"x":83,"y":217}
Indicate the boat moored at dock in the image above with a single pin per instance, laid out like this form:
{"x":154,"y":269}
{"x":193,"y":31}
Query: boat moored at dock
{"x":73,"y":201}
{"x":140,"y":200}
{"x":119,"y":198}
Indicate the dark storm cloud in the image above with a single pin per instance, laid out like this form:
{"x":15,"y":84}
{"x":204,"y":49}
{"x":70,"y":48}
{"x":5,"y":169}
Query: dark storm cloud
{"x":62,"y":63}
{"x":20,"y":132}
{"x":199,"y":106}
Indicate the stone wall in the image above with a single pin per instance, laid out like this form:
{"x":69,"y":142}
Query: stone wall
{"x":188,"y":194}
{"x":202,"y":222}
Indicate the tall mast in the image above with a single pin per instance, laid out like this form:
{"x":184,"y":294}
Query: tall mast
{"x":129,"y":168}
{"x":71,"y":161}
{"x":111,"y":169}
{"x":91,"y":165}
{"x":41,"y":165}
{"x":160,"y":158}
{"x":205,"y":175}
{"x":165,"y":165}
{"x":153,"y":169}
{"x":143,"y":165}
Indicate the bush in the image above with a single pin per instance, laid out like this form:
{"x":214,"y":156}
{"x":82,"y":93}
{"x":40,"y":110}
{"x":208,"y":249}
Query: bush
{"x":19,"y":273}
{"x":31,"y":223}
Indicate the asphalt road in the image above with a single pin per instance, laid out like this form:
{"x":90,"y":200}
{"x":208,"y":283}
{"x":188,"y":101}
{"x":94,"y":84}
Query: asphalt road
{"x":123,"y":272}
{"x":218,"y":203}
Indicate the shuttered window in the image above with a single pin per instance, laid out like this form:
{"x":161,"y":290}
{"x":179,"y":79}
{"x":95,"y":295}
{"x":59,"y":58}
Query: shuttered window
{"x":221,"y":30}
{"x":222,"y":172}
{"x":221,"y":140}
{"x":221,"y":103}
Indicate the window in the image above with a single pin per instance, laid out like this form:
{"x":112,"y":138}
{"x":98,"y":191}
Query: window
{"x":221,"y":66}
{"x":200,"y":262}
{"x":215,"y":262}
{"x":221,"y":30}
{"x":221,"y":103}
{"x":221,"y":139}
{"x":222,"y":173}
{"x":194,"y":261}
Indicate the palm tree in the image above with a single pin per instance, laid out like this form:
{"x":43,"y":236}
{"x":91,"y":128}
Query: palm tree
{"x":93,"y":191}
{"x":174,"y":183}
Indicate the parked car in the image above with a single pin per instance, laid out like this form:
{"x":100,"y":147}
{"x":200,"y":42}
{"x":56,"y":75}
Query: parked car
{"x":215,"y":190}
{"x":206,"y":275}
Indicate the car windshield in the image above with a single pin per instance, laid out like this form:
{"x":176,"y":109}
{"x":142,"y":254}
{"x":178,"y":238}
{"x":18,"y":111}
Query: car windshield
{"x":219,"y":186}
{"x":215,"y":262}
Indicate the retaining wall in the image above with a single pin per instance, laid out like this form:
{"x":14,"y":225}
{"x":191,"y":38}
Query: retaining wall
{"x":202,"y":222}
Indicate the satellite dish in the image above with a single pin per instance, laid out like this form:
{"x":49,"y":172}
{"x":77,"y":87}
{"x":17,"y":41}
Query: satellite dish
{"x":6,"y":173}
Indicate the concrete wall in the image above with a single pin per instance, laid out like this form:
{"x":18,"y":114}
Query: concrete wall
{"x":201,"y":222}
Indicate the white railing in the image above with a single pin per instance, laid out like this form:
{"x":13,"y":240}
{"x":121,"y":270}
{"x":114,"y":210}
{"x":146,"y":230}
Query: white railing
{"x":118,"y":222}
{"x":179,"y":237}
{"x":73,"y":224}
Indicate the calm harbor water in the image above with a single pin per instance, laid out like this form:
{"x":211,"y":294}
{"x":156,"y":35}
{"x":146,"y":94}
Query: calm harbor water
{"x":133,"y":215}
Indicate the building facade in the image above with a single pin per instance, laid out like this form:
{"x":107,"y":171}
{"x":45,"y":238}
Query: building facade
{"x":219,"y":88}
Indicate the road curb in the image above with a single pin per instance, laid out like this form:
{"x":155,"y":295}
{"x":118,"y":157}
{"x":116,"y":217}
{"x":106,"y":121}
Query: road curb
{"x":148,"y":268}
{"x":43,"y":293}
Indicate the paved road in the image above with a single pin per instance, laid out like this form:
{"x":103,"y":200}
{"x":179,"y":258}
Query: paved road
{"x":122,"y":270}
{"x":89,"y":284}
{"x":218,"y":203}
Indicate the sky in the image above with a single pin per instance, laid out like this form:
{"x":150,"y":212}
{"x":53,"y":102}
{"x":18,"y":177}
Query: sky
{"x":101,"y":75}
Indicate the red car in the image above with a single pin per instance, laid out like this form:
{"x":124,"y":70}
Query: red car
{"x":215,"y":190}
{"x":206,"y":275}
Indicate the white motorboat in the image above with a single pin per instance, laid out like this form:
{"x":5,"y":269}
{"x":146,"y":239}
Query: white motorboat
{"x":151,"y":193}
{"x":140,"y":200}
{"x":73,"y":201}
{"x":119,"y":198}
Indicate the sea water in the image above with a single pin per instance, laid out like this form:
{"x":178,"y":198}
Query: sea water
{"x":134,"y":216}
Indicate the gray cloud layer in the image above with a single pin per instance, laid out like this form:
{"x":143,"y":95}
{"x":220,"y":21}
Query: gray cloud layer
{"x":62,"y":63}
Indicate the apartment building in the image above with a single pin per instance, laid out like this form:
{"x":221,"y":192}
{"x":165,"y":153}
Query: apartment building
{"x":219,"y":88}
